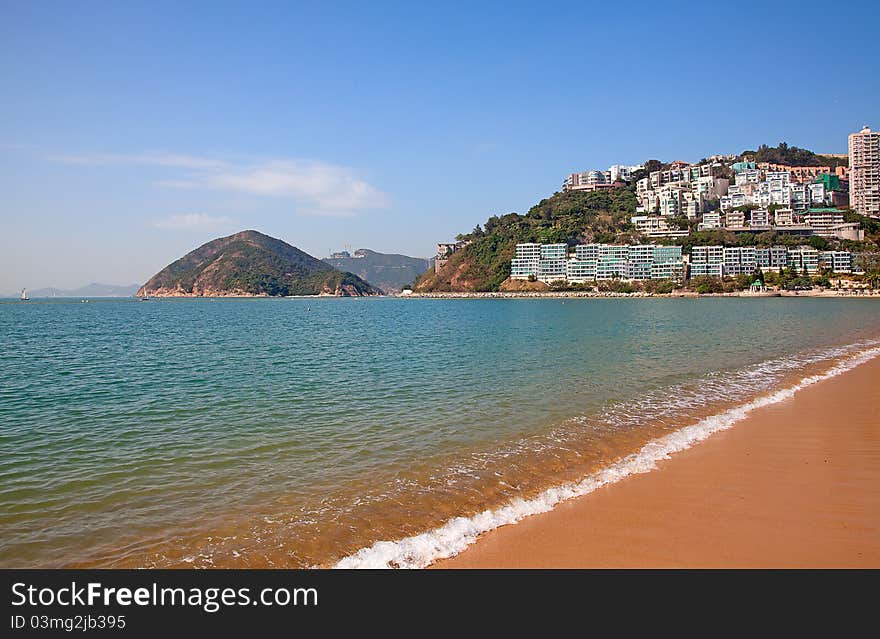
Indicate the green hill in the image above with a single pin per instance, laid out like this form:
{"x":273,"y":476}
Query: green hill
{"x":792,"y":156}
{"x":251,"y":263}
{"x":578,"y":217}
{"x":388,"y":271}
{"x":574,"y":217}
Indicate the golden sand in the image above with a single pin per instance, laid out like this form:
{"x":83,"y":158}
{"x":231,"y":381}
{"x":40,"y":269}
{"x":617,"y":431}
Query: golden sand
{"x":796,"y":484}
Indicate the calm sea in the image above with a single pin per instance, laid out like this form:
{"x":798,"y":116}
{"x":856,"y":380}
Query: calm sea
{"x":295,"y":432}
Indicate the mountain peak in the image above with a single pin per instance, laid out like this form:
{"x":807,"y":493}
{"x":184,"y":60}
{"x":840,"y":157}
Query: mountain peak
{"x":251,"y":263}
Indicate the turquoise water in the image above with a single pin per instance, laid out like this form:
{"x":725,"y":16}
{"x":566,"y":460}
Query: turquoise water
{"x":293,"y":432}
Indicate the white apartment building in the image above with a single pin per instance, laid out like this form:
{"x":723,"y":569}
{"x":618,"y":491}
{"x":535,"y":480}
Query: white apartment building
{"x":552,"y":267}
{"x":552,"y":270}
{"x":593,"y":179}
{"x":818,"y":194}
{"x":587,"y":252}
{"x":640,"y":259}
{"x":622,"y":172}
{"x":824,"y":223}
{"x":739,"y":260}
{"x":759,"y":218}
{"x":734,"y":200}
{"x":613,"y":262}
{"x":783,"y":217}
{"x":682,"y":190}
{"x":800,"y":256}
{"x":580,"y":271}
{"x":656,"y":226}
{"x":837,"y":261}
{"x":707,"y":260}
{"x":586,"y":181}
{"x":774,"y":257}
{"x":864,"y":172}
{"x":735,"y":220}
{"x":747,"y":176}
{"x":597,"y":262}
{"x":554,"y":251}
{"x":711,"y":220}
{"x":799,"y":197}
{"x":526,"y":261}
{"x":743,"y":260}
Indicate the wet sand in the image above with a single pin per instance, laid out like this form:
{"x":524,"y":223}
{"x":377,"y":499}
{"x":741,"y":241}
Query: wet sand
{"x":796,"y":484}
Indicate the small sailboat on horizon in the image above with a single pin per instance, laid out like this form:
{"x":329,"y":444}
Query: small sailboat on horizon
{"x":24,"y":297}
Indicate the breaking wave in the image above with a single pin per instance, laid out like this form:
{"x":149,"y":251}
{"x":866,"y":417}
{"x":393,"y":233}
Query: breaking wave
{"x":448,"y":540}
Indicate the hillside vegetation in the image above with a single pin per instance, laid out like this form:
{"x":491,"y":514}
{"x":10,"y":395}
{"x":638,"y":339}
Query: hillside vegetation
{"x":792,"y":156}
{"x":251,"y":263}
{"x":578,"y":217}
{"x":388,"y":271}
{"x":572,"y":217}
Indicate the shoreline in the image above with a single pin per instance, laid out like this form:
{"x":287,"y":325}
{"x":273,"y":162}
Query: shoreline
{"x":492,"y":295}
{"x":675,"y":294}
{"x":795,"y":483}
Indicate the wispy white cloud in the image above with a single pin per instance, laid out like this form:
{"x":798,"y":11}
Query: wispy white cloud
{"x":13,"y":146}
{"x":144,"y":159}
{"x":192,"y":221}
{"x":314,"y":187}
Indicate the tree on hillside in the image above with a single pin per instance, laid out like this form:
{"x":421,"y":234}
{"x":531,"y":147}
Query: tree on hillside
{"x":653,"y":165}
{"x":790,"y":155}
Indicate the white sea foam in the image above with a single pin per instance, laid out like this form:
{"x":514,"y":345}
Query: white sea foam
{"x":457,"y":534}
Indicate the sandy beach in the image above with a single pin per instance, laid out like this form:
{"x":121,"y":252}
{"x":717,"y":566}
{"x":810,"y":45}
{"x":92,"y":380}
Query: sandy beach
{"x":795,"y":485}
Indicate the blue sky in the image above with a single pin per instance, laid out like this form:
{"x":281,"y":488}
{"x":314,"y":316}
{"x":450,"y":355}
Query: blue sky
{"x":131,"y":133}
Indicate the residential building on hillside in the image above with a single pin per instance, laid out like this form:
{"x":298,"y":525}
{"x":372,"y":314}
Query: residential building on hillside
{"x":824,"y":220}
{"x":739,"y":260}
{"x":735,"y":220}
{"x":774,"y":257}
{"x":613,"y":262}
{"x":804,"y":256}
{"x":552,"y":267}
{"x":656,"y":226}
{"x":707,"y":260}
{"x":579,"y":271}
{"x":784,"y":217}
{"x":526,"y":261}
{"x":680,"y":190}
{"x":837,"y":261}
{"x":864,"y":172}
{"x":587,"y":181}
{"x":554,"y":251}
{"x":623,"y":172}
{"x":830,"y":223}
{"x":797,"y":173}
{"x":553,"y":262}
{"x":747,"y":176}
{"x":711,"y":220}
{"x":587,"y":252}
{"x":759,"y":219}
{"x":721,"y":261}
{"x":593,"y":180}
{"x":444,"y":252}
